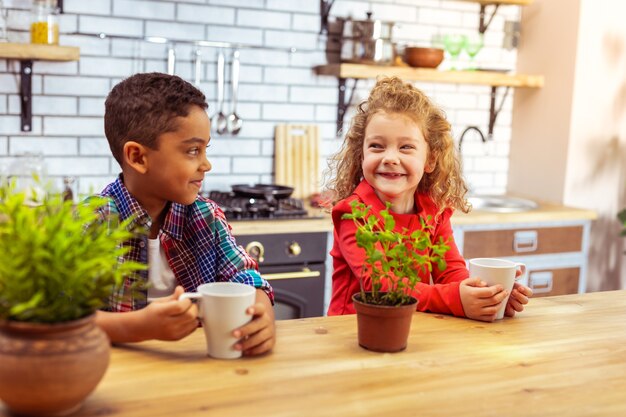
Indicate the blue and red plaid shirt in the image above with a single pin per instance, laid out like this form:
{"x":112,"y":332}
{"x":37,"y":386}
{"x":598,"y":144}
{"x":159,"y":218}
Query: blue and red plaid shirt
{"x":197,"y":242}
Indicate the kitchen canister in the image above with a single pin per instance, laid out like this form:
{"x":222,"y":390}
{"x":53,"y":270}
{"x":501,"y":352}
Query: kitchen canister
{"x":44,"y":27}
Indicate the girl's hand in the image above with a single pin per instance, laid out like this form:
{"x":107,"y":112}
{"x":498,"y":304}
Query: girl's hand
{"x":519,"y":297}
{"x":481,"y":302}
{"x":258,"y":336}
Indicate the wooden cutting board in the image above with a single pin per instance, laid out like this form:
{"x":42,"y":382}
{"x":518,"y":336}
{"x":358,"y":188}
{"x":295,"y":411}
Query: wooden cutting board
{"x":296,"y":158}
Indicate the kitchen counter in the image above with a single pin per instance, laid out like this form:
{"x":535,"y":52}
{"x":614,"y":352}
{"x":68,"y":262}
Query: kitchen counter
{"x":563,"y":356}
{"x":546,"y":212}
{"x":323,"y":222}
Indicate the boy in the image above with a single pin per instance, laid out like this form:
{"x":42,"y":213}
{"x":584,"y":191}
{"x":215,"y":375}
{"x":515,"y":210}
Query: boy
{"x":158,"y":131}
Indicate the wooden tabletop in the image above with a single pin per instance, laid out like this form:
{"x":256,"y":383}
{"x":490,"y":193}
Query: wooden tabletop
{"x":564,"y":356}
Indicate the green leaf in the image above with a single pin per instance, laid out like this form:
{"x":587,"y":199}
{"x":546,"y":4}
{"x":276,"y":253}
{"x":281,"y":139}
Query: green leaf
{"x":58,"y":263}
{"x":396,"y":258}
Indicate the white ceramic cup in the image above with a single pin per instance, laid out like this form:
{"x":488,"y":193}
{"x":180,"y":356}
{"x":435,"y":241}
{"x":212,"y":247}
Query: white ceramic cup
{"x":222,"y":309}
{"x":496,"y":271}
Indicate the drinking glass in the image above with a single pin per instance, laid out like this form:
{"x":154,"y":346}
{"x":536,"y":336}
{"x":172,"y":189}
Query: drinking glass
{"x":454,"y":44}
{"x":473,"y":44}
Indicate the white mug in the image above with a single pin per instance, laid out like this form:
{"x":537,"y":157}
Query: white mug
{"x":222,"y":309}
{"x":496,"y":271}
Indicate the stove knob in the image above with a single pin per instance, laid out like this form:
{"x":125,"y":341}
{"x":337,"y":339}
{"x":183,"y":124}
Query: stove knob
{"x":294,"y":249}
{"x":256,"y":250}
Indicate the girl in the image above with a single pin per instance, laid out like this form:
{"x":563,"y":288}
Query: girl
{"x":400,"y":150}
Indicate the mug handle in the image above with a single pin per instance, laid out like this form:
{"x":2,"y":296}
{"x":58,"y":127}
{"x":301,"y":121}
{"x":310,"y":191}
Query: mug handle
{"x":194,"y":297}
{"x":521,"y":267}
{"x":190,"y":295}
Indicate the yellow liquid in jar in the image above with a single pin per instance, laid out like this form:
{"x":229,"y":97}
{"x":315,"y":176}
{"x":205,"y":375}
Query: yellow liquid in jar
{"x":43,"y":32}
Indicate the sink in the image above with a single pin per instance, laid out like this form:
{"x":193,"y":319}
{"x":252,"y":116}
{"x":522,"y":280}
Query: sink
{"x":501,"y":203}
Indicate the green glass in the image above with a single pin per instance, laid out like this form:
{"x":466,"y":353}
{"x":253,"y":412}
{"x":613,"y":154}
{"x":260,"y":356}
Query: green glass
{"x":473,"y":45}
{"x":454,"y":44}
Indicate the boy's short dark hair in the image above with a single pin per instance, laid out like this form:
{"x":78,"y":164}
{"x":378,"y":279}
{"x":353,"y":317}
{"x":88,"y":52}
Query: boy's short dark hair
{"x":144,"y":106}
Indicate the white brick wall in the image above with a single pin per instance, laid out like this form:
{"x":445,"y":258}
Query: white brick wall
{"x":275,"y":87}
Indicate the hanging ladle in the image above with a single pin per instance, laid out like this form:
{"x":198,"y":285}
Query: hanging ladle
{"x":234,"y":121}
{"x":220,"y":121}
{"x":197,"y":67}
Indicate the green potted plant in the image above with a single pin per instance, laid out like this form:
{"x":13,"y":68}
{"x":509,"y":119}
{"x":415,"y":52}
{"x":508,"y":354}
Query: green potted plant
{"x":622,"y":218}
{"x":393,"y":261}
{"x":58,"y":265}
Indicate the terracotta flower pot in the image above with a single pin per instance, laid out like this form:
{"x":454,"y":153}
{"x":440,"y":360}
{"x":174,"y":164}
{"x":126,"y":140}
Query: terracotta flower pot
{"x":383,"y":328}
{"x":49,"y":369}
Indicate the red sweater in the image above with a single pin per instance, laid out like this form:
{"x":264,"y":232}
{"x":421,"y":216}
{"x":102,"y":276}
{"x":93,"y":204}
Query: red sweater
{"x":440,"y":297}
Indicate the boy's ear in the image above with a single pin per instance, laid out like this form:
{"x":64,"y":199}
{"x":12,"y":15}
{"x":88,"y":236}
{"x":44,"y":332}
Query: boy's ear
{"x":135,"y":156}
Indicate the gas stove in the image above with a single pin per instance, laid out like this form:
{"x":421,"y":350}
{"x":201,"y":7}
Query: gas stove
{"x":238,"y":207}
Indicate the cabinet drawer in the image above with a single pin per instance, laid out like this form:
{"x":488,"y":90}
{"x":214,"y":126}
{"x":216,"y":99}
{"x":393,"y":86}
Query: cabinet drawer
{"x":545,"y":282}
{"x":513,"y":242}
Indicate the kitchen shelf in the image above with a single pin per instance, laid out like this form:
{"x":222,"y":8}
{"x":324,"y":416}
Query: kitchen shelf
{"x":26,"y":53}
{"x":494,"y":79}
{"x":326,"y":5}
{"x":38,"y":52}
{"x":501,"y":2}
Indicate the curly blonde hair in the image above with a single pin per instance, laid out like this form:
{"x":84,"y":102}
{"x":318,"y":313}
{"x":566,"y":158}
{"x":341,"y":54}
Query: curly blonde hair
{"x":444,"y":184}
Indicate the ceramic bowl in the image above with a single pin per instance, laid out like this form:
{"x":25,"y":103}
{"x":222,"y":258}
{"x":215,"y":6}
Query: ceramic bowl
{"x":423,"y":57}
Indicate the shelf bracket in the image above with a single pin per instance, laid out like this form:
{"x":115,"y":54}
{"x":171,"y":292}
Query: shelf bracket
{"x":493,"y":115}
{"x":26,"y":95}
{"x":342,"y":104}
{"x":325,"y":6}
{"x":482,"y":26}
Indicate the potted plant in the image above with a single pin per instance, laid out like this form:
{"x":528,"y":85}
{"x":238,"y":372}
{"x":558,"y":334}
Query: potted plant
{"x":622,"y":218}
{"x":58,"y":265}
{"x":393,"y":261}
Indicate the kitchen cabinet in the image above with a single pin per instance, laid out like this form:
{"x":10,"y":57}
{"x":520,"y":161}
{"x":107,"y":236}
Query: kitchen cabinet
{"x":555,"y":252}
{"x":26,"y":53}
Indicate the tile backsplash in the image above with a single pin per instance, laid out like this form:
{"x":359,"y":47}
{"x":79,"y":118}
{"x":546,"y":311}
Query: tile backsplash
{"x":276,"y":86}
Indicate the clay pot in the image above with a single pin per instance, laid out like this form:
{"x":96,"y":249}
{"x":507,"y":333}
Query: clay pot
{"x":49,"y":369}
{"x":423,"y":57}
{"x":383,"y":328}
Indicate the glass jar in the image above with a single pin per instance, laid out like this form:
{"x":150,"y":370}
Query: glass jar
{"x":44,"y":27}
{"x":29,"y":174}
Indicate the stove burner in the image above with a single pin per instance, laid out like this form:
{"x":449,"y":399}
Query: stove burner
{"x":249,"y":208}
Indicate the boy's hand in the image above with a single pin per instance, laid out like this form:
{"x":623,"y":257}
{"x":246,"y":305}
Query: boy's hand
{"x":519,"y":297}
{"x":168,"y":318}
{"x":481,"y":302}
{"x":258,"y":336}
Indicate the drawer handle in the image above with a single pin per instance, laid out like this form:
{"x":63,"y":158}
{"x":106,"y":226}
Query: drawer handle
{"x":540,"y":282}
{"x":305,"y":273}
{"x":525,"y":241}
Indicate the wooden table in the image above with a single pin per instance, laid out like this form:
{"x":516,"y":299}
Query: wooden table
{"x":564,"y":356}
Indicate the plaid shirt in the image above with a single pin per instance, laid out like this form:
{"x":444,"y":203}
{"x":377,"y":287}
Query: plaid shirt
{"x":197,"y":242}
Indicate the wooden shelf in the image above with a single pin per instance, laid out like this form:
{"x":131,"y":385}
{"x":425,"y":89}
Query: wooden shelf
{"x":502,"y":2}
{"x":26,"y":53}
{"x":494,"y":79}
{"x":38,"y":52}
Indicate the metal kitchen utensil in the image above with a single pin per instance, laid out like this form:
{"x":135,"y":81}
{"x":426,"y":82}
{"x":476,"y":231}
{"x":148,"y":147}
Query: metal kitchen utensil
{"x":234,"y":121}
{"x":367,"y":41}
{"x":220,"y":122}
{"x":171,"y":59}
{"x":197,"y":66}
{"x":270,"y":192}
